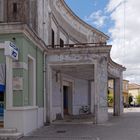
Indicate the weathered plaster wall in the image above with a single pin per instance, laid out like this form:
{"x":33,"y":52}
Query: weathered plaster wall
{"x":2,"y":57}
{"x":79,"y":95}
{"x":20,"y":69}
{"x":56,"y":96}
{"x":43,"y":20}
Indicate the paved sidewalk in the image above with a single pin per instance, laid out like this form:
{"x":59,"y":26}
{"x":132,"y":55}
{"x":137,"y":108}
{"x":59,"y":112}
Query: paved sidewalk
{"x":126,"y":127}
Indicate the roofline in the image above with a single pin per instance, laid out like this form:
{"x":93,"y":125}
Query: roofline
{"x":116,"y":64}
{"x":134,"y":84}
{"x":83,"y":22}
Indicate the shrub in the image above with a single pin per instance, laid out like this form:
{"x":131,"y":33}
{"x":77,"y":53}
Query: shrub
{"x":138,"y":99}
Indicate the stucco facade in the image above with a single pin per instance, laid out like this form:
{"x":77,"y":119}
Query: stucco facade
{"x":63,"y":64}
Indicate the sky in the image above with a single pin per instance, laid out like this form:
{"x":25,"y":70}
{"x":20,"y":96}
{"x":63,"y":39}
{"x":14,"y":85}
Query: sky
{"x":120,"y":19}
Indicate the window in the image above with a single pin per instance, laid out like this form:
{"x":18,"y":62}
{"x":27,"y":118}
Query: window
{"x":53,"y":38}
{"x":31,"y":81}
{"x":61,"y":43}
{"x":14,"y":7}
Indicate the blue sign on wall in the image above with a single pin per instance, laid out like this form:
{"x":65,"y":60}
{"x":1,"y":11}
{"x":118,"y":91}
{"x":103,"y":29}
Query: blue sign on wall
{"x":2,"y":88}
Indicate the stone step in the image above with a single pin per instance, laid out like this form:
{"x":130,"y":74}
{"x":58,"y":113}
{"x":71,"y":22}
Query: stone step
{"x":10,"y":136}
{"x":8,"y":130}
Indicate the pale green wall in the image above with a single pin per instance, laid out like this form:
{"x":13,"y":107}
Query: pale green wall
{"x":2,"y":57}
{"x":26,"y":47}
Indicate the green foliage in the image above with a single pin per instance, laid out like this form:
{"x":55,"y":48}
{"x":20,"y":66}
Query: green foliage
{"x":138,"y":99}
{"x":110,"y":98}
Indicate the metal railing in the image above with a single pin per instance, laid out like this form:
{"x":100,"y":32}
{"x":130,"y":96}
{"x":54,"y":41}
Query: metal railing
{"x":77,"y":45}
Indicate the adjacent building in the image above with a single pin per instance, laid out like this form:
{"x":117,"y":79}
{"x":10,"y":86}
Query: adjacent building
{"x":51,"y":64}
{"x":125,"y":92}
{"x":134,"y":91}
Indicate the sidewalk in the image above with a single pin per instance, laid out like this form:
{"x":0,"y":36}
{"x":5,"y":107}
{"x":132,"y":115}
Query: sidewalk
{"x":126,"y":127}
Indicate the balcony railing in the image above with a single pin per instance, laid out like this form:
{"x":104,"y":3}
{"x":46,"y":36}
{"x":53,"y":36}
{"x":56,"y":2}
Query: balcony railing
{"x":77,"y":45}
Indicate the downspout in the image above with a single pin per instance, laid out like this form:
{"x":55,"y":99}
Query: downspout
{"x":44,"y":78}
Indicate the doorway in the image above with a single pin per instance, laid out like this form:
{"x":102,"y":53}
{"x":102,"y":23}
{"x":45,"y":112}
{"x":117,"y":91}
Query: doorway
{"x":65,"y":99}
{"x":1,"y":108}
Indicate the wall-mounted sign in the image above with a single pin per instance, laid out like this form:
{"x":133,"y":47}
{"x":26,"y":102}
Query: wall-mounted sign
{"x":17,"y":83}
{"x":11,"y":50}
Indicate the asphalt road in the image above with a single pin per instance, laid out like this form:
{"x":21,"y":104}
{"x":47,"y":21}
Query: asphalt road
{"x":126,"y":127}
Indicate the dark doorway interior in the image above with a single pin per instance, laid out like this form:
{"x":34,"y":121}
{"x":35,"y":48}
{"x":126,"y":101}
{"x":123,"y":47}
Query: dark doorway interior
{"x":1,"y":108}
{"x":1,"y":104}
{"x":65,"y":99}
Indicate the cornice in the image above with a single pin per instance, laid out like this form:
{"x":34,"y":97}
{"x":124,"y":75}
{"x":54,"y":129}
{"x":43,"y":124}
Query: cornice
{"x":16,"y":28}
{"x":116,"y":65}
{"x":81,"y":21}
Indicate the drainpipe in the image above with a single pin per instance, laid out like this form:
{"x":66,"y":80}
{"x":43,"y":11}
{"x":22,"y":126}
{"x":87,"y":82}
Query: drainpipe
{"x":44,"y":78}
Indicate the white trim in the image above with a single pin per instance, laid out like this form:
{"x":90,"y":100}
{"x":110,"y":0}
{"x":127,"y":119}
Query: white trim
{"x":9,"y":80}
{"x":34,"y":79}
{"x":22,"y":108}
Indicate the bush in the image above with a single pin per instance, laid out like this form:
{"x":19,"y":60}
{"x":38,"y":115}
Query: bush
{"x":110,"y":100}
{"x":138,"y":99}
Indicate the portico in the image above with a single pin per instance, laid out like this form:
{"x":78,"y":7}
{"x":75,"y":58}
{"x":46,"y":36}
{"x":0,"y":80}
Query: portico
{"x":84,"y":69}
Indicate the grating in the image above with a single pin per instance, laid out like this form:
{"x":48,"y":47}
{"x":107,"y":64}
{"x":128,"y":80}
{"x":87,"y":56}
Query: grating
{"x":61,"y":131}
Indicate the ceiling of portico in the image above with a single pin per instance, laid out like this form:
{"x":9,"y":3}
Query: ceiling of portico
{"x":85,"y":72}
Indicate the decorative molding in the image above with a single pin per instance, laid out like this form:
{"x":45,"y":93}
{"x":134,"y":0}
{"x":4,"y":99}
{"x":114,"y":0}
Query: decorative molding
{"x":22,"y":108}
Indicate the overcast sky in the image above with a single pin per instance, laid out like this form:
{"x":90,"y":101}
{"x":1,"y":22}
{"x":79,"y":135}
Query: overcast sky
{"x":120,"y":19}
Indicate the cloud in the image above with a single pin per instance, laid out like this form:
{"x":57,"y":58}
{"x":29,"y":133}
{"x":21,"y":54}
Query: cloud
{"x":125,"y":36}
{"x":96,"y":18}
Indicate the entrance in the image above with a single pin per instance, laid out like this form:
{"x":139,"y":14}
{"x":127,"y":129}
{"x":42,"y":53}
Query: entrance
{"x":2,"y":93}
{"x":1,"y":108}
{"x":65,"y":99}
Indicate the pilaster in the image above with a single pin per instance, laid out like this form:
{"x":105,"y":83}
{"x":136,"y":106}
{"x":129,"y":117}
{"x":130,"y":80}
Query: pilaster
{"x":118,"y":104}
{"x":9,"y":83}
{"x":100,"y":75}
{"x":49,"y":94}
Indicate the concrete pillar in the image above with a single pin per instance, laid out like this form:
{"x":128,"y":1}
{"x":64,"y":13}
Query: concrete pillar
{"x":101,"y":79}
{"x":118,"y":104}
{"x":92,"y":96}
{"x":49,"y":94}
{"x":9,"y":82}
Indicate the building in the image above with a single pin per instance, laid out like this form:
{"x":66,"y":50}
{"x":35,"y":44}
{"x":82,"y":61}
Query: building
{"x":61,"y":64}
{"x":125,"y":91}
{"x":134,"y":91}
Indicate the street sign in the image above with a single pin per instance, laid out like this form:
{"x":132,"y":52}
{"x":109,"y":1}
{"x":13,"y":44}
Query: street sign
{"x":11,"y":50}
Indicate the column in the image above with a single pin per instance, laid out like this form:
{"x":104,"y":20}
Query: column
{"x":100,"y":76}
{"x":92,"y":96}
{"x":9,"y":83}
{"x":118,"y":104}
{"x":49,"y":94}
